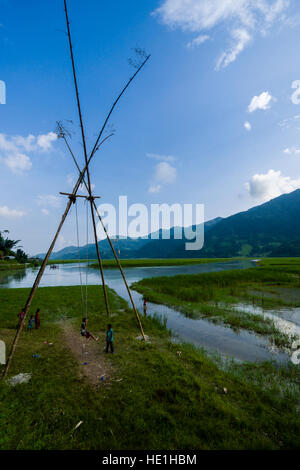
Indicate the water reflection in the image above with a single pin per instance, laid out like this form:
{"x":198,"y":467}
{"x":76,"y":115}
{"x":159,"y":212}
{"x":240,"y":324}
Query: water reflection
{"x":7,"y":277}
{"x":243,"y":346}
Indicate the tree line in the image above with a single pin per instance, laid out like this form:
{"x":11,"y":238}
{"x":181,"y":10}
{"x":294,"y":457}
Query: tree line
{"x":8,"y":247}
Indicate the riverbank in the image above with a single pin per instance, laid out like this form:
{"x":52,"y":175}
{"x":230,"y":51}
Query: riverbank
{"x":136,"y":263}
{"x":68,"y":261}
{"x":214,"y":295}
{"x":10,"y":266}
{"x":157,"y":395}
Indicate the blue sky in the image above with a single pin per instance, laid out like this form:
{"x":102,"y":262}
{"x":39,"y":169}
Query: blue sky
{"x":180,"y":131}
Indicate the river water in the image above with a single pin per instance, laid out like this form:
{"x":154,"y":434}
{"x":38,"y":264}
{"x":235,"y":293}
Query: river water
{"x":242,"y":346}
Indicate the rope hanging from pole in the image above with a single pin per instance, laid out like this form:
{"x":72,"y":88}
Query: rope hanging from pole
{"x":87,"y":258}
{"x":78,"y":248}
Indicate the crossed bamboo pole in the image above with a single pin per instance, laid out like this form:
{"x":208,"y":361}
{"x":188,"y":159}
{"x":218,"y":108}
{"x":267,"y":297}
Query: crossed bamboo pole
{"x":109,"y":240}
{"x":36,"y":283}
{"x":89,"y":188}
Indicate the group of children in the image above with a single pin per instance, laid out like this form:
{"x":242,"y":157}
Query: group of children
{"x":34,"y":320}
{"x":88,"y":335}
{"x":109,"y":333}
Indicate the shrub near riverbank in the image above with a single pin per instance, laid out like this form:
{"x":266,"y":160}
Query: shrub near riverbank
{"x":10,"y":265}
{"x":160,"y":395}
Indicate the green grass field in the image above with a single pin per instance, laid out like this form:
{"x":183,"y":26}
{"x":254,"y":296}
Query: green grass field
{"x":212,"y":295}
{"x":133,"y":263}
{"x":68,"y":261}
{"x":155,"y":397}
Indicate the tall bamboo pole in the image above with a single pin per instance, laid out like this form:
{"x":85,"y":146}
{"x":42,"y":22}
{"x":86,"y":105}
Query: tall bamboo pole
{"x":86,"y":160}
{"x":43,"y":266}
{"x":41,"y":271}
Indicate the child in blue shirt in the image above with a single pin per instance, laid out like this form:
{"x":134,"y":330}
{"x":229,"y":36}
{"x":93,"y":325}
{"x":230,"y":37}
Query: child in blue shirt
{"x":109,"y":339}
{"x":30,"y":323}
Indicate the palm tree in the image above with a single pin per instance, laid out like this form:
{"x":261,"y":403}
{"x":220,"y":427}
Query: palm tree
{"x":6,"y":245}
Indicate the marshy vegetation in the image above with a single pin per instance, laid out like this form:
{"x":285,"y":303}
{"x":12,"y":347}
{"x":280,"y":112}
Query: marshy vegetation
{"x":135,"y":263}
{"x":212,"y":295}
{"x":160,"y":394}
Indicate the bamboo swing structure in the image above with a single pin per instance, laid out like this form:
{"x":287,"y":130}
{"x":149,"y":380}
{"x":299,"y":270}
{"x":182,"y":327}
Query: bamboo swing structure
{"x":83,"y":178}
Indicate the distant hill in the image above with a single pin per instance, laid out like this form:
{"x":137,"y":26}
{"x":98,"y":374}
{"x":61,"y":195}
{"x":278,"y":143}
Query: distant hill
{"x":173,"y":248}
{"x":270,"y":229}
{"x":128,"y":248}
{"x":123,"y":246}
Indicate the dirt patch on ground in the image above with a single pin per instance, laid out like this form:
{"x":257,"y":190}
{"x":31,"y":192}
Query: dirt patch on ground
{"x":91,"y":356}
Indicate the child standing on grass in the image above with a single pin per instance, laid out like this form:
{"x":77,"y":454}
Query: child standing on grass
{"x":109,"y":339}
{"x":30,"y":323}
{"x":21,"y":316}
{"x":37,"y":319}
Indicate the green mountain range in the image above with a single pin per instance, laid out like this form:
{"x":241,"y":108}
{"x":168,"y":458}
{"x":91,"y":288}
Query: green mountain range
{"x":270,"y":229}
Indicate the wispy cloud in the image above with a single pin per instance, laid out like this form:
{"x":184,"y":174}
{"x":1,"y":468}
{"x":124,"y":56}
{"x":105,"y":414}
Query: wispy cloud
{"x":240,"y":39}
{"x":197,"y":41}
{"x":243,"y":19}
{"x":289,"y":122}
{"x":11,"y":213}
{"x":48,"y":200}
{"x":292,"y":151}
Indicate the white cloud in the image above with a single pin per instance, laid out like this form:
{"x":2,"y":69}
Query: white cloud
{"x":263,"y":187}
{"x":27,"y":143}
{"x":12,"y":157}
{"x":247,"y":126}
{"x":44,"y":141}
{"x":263,"y":101}
{"x":197,"y":41}
{"x":163,"y":158}
{"x":164,"y":173}
{"x":12,"y":149}
{"x":155,"y":189}
{"x":71,"y":180}
{"x":241,"y":38}
{"x":62,"y":242}
{"x":11,"y":213}
{"x":45,"y":211}
{"x":82,"y":189}
{"x":48,"y":200}
{"x":242,"y":18}
{"x":17,"y":162}
{"x":292,"y":151}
